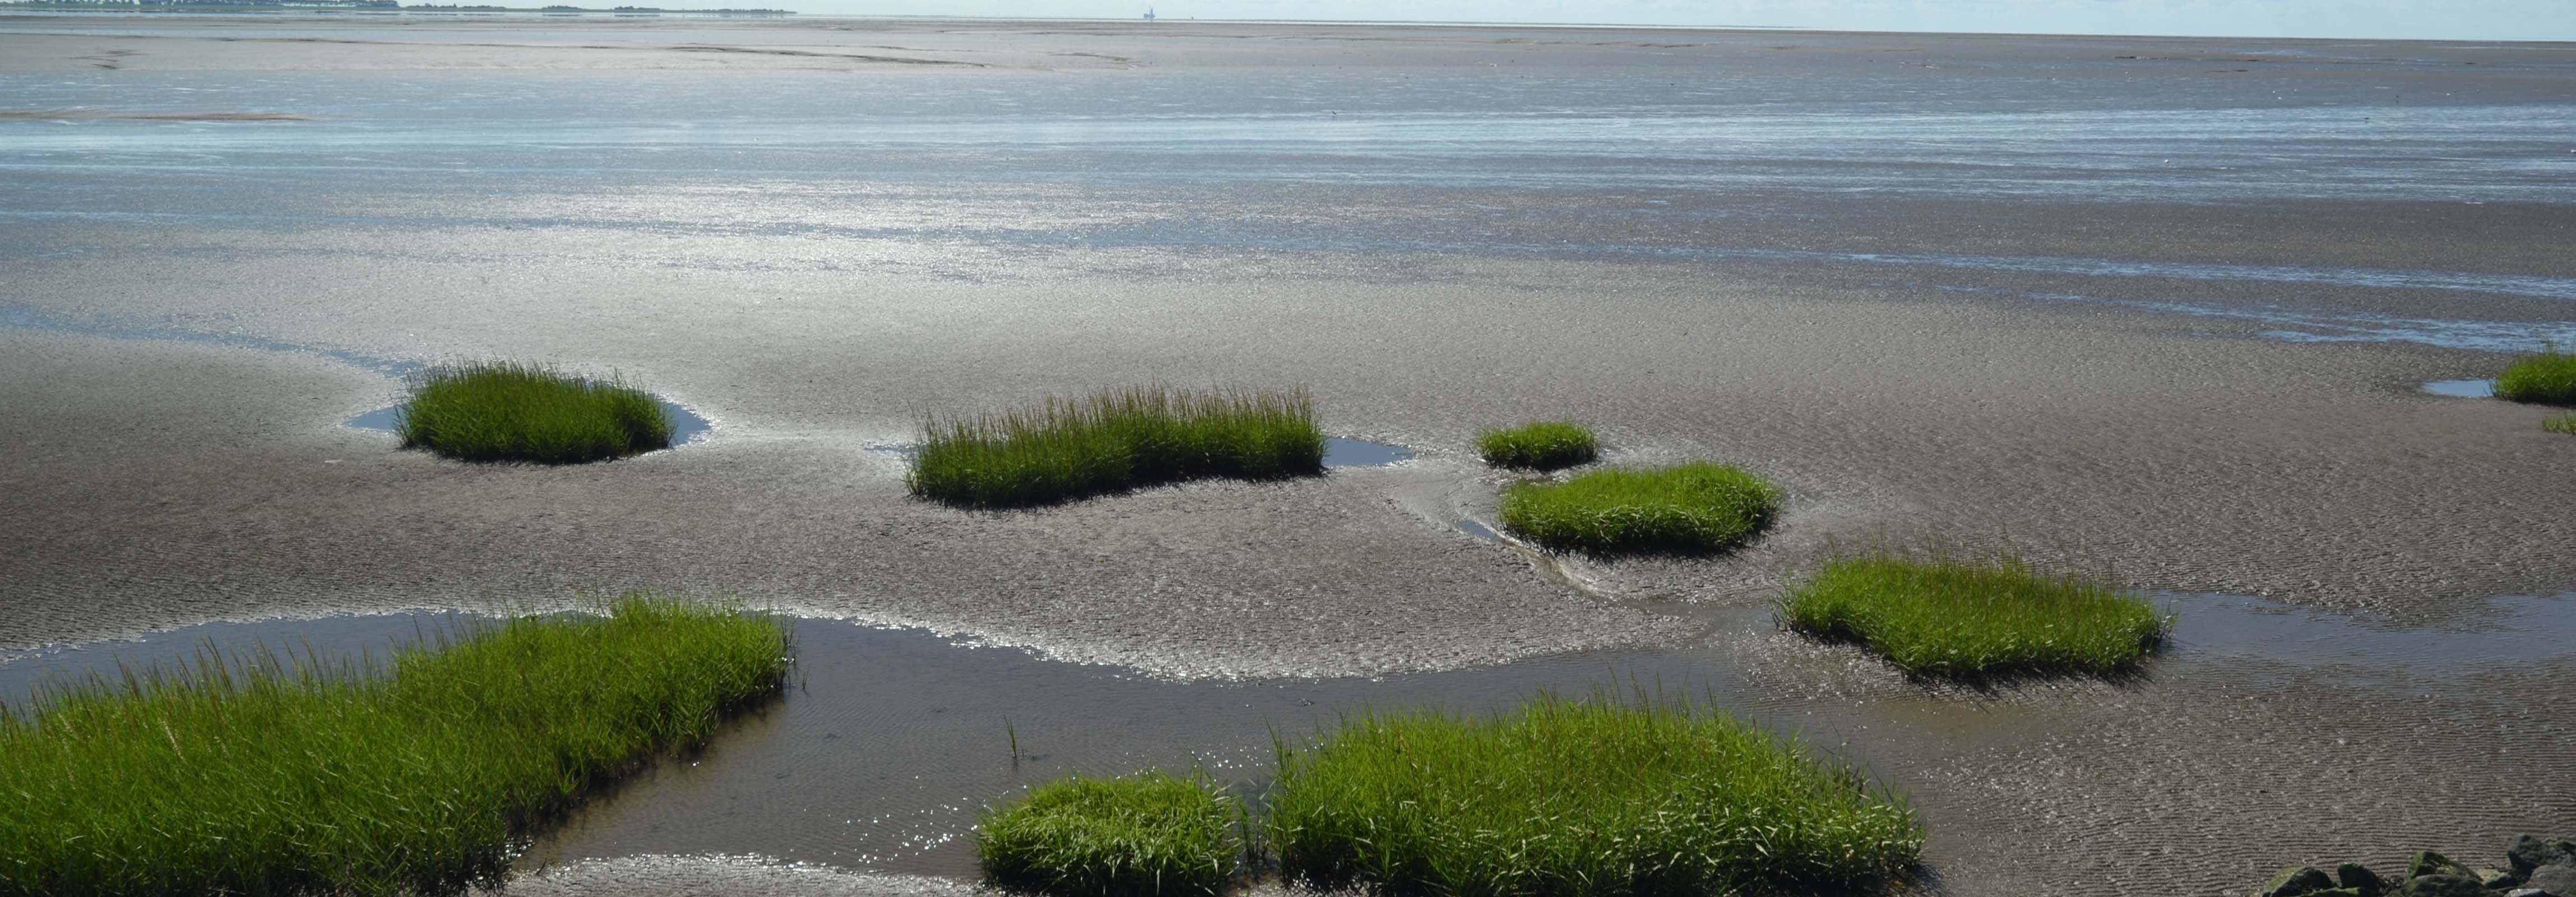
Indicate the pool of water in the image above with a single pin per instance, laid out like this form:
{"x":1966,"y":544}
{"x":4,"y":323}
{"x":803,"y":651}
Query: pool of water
{"x":1340,"y":452}
{"x":2463,"y":389}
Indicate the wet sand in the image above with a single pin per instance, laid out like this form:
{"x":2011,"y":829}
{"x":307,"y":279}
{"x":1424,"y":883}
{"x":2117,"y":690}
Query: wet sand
{"x":2199,"y":396}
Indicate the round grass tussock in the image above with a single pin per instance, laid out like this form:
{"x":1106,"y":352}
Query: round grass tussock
{"x":251,"y":775}
{"x":1150,"y":833}
{"x":1539,"y":445}
{"x":1694,"y":507}
{"x":507,"y":411}
{"x":1116,"y":440}
{"x":2548,"y":378}
{"x":1961,"y":619}
{"x":1580,"y":798}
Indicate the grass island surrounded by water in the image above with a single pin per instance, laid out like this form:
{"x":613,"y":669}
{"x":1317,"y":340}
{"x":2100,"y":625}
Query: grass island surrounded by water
{"x":1149,"y":833}
{"x":1538,"y":445}
{"x":1954,"y":618}
{"x":259,"y":775}
{"x":1688,"y":508}
{"x":508,"y":411}
{"x":2548,"y":378}
{"x":1114,"y":440}
{"x":1593,"y":797}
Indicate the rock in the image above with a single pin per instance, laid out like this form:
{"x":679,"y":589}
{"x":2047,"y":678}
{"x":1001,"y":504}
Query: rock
{"x":2442,"y":886}
{"x":2430,"y":863}
{"x":2528,"y":853}
{"x":2497,"y":881}
{"x":2559,"y":881}
{"x":2528,"y":892}
{"x":2359,"y":879}
{"x":2298,"y":881}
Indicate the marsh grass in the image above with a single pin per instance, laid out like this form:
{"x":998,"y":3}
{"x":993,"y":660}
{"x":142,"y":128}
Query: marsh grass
{"x":2548,"y":378}
{"x":1538,"y":445}
{"x":507,"y":411}
{"x":255,"y":775}
{"x":2564,"y":423}
{"x":1115,"y":440}
{"x":1696,"y":507}
{"x":1150,"y":833}
{"x":1968,"y":619}
{"x":1580,"y":798}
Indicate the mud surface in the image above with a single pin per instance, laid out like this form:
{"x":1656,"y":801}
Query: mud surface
{"x":2113,"y":302}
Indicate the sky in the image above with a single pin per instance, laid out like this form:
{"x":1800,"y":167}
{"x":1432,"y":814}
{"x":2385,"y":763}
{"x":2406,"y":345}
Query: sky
{"x":2429,"y":19}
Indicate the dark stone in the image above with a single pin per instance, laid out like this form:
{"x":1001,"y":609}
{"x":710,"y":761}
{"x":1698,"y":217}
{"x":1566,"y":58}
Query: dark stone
{"x":2298,"y":881}
{"x":2497,"y":881}
{"x":2359,"y":879}
{"x":2528,"y":853}
{"x":2430,"y":863}
{"x":2559,"y":881}
{"x":2442,"y":886}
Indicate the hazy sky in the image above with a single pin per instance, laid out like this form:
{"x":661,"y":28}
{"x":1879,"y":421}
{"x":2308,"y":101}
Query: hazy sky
{"x":2452,"y":19}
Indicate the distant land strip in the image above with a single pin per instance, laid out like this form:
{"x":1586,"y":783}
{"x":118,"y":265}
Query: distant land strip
{"x":75,"y":114}
{"x":350,"y":5}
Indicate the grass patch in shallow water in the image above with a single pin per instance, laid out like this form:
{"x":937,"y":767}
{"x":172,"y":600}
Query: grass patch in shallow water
{"x":1115,"y":440}
{"x":254,"y":776}
{"x":1952,"y":618}
{"x":1598,"y":797}
{"x":507,"y":411}
{"x":1539,"y":445}
{"x":2548,"y":378}
{"x":1685,"y":508}
{"x":1151,"y":833}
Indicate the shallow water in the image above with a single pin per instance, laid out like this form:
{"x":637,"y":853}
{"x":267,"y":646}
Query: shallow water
{"x":1341,"y":452}
{"x":2462,"y":389}
{"x":1727,"y":163}
{"x":890,"y":740}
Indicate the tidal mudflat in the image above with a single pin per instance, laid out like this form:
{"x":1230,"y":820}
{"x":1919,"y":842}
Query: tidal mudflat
{"x":2159,"y":307}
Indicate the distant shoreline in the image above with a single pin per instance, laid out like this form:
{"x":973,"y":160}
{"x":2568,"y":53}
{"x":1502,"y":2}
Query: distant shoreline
{"x":379,"y":7}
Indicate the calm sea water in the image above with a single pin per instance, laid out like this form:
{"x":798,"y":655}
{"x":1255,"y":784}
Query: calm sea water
{"x":1738,"y":164}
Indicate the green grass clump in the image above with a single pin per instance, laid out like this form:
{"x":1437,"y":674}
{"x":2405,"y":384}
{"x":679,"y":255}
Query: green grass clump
{"x":2564,"y":423}
{"x":1960,"y":619}
{"x":2548,"y":378}
{"x":1542,"y":445}
{"x":1151,"y":833}
{"x":1114,"y":440}
{"x":257,"y":777}
{"x":1685,"y":508}
{"x":506,"y":411}
{"x":1598,"y":797}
